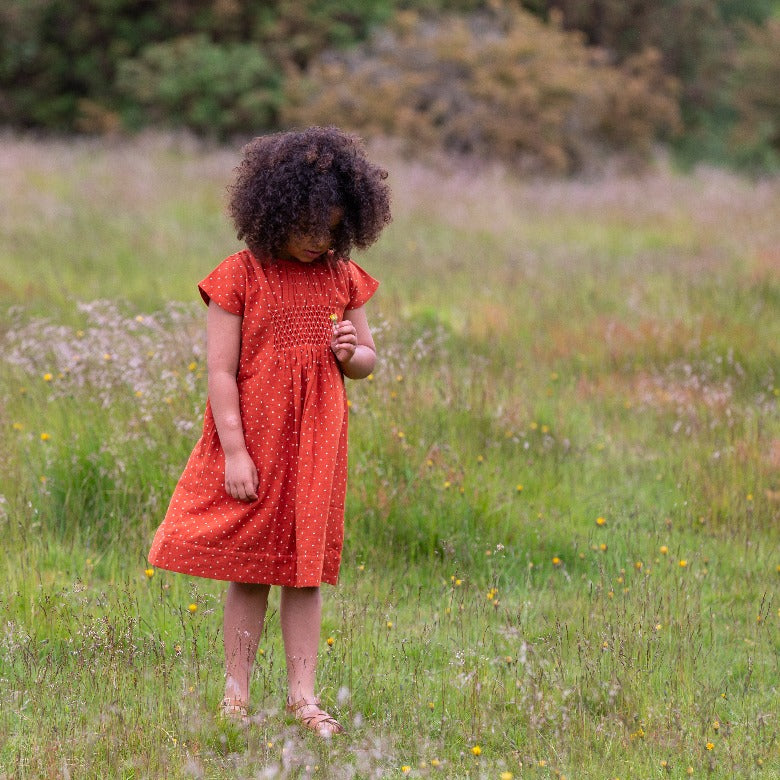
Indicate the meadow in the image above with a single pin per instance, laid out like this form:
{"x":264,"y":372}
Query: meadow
{"x":562,"y":553}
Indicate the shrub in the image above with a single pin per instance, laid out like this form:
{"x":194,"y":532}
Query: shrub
{"x":500,"y":85}
{"x":756,"y":97}
{"x":206,"y":87}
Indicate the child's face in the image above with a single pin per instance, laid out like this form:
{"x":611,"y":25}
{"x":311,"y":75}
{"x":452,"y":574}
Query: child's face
{"x":306,"y":247}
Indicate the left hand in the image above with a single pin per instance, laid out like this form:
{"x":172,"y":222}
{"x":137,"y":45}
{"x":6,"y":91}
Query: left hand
{"x":344,"y":341}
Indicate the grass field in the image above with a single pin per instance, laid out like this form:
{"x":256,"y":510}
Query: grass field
{"x":562,"y":555}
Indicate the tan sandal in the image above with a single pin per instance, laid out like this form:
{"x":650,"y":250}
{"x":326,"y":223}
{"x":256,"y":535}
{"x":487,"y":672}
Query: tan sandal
{"x":320,"y":722}
{"x":230,"y":709}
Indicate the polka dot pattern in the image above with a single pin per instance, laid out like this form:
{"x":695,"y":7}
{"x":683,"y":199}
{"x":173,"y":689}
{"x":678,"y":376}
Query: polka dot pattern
{"x":294,"y":412}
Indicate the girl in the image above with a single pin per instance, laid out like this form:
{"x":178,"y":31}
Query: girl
{"x":261,"y":500}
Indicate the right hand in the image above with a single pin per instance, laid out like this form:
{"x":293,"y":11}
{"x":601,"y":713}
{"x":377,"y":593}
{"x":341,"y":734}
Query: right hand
{"x":241,"y":479}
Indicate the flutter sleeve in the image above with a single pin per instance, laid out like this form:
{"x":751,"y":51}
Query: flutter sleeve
{"x":361,"y":286}
{"x":226,"y":285}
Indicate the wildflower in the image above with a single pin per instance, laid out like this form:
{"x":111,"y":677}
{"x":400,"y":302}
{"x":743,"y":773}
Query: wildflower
{"x":480,"y":459}
{"x":545,"y":429}
{"x":638,"y":565}
{"x":106,"y":356}
{"x":330,"y":640}
{"x":749,"y":497}
{"x":447,"y":484}
{"x":715,"y":725}
{"x":476,"y":750}
{"x":149,"y":572}
{"x":192,"y":366}
{"x":400,"y":434}
{"x":689,"y":770}
{"x":506,"y":776}
{"x":709,"y":746}
{"x":47,"y":377}
{"x":334,"y":322}
{"x":370,"y":377}
{"x":542,"y":762}
{"x":519,"y":488}
{"x":600,"y":521}
{"x":193,"y":608}
{"x":362,"y":567}
{"x":556,"y":561}
{"x":683,"y":563}
{"x":665,"y":765}
{"x":603,"y":547}
{"x":458,"y":583}
{"x":45,"y":436}
{"x":17,"y":426}
{"x":399,"y":378}
{"x":663,"y":549}
{"x":435,"y":762}
{"x":389,"y":623}
{"x":406,"y":769}
{"x":534,"y":426}
{"x":430,"y":705}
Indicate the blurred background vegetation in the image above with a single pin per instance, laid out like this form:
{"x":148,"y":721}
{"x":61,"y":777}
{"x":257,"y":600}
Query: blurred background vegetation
{"x":546,"y":85}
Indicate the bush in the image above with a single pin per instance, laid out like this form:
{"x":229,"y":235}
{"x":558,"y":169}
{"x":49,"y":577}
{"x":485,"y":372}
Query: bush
{"x":193,"y":83}
{"x":501,"y":85}
{"x":756,"y":97}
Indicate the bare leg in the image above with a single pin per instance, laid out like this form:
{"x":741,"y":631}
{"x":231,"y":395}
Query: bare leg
{"x":245,"y":606}
{"x":301,"y":615}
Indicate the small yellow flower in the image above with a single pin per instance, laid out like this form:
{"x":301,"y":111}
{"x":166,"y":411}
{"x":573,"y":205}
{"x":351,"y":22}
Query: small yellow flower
{"x":709,"y":746}
{"x":406,"y":769}
{"x":106,"y":356}
{"x":542,"y":762}
{"x":139,"y":393}
{"x":45,"y":436}
{"x":683,"y":563}
{"x":534,"y":426}
{"x":192,"y":366}
{"x":17,"y":426}
{"x":664,"y":765}
{"x":362,"y":567}
{"x":556,"y":561}
{"x":193,"y":608}
{"x":149,"y":572}
{"x":476,"y":750}
{"x":480,"y":459}
{"x":545,"y":429}
{"x":749,"y":497}
{"x":663,"y":549}
{"x":430,"y":705}
{"x":638,"y":565}
{"x":715,"y":725}
{"x":399,"y":378}
{"x":389,"y":623}
{"x":400,"y":434}
{"x":603,"y":547}
{"x":519,"y":488}
{"x":370,"y":377}
{"x":506,"y":776}
{"x":435,"y":762}
{"x":47,"y":377}
{"x":458,"y":583}
{"x":330,"y":640}
{"x":601,"y":521}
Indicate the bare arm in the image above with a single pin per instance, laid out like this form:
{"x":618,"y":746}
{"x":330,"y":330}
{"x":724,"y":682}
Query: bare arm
{"x":223,"y":331}
{"x":353,"y":344}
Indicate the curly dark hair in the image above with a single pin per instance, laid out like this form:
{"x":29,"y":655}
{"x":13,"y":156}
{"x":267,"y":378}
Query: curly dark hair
{"x":290,"y":183}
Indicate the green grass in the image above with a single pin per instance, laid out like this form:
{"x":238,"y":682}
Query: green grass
{"x":551,"y":353}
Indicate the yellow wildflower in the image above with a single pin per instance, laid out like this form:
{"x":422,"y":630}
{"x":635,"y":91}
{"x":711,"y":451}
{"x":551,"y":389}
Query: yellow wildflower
{"x":663,"y":549}
{"x":330,"y":640}
{"x":45,"y":436}
{"x":193,"y":608}
{"x":601,"y":521}
{"x":47,"y":377}
{"x":683,"y":563}
{"x":476,"y":750}
{"x":149,"y":572}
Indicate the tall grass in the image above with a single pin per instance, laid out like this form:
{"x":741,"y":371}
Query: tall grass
{"x":562,"y":536}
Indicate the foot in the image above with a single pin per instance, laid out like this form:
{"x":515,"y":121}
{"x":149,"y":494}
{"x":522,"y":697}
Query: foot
{"x":308,"y":712}
{"x":233,"y":709}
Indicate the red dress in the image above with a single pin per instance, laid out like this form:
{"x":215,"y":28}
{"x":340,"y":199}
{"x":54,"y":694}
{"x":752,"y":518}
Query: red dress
{"x":294,"y":412}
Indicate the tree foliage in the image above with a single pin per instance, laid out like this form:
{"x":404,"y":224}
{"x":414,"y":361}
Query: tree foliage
{"x":230,"y":66}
